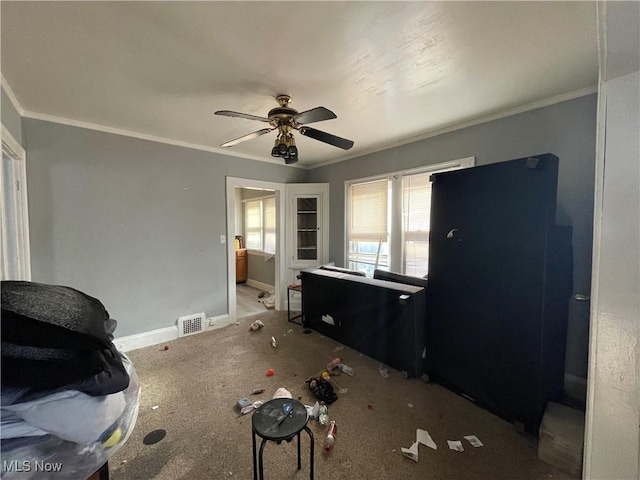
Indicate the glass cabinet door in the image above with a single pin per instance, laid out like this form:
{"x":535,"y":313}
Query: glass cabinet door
{"x":306,"y":228}
{"x":307,"y":219}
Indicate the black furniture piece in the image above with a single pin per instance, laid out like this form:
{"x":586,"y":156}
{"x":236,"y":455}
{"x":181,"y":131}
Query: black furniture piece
{"x":382,"y":319}
{"x":499,"y":285}
{"x":273,"y":422}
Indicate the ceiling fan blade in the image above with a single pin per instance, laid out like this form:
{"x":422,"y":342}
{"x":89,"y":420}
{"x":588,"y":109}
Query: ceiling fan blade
{"x":317,"y":114}
{"x":326,"y":138}
{"x":249,"y":136}
{"x":229,"y":113}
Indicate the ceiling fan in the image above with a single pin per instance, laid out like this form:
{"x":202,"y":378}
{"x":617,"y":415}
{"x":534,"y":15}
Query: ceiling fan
{"x":286,"y":119}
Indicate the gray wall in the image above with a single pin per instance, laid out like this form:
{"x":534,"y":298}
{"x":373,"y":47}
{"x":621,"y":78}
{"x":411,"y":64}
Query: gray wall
{"x":134,"y":223}
{"x":566,"y":129}
{"x":11,"y":118}
{"x":261,"y":269}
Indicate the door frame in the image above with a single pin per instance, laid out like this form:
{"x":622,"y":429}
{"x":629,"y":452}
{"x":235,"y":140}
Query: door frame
{"x":19,"y":228}
{"x":279,"y":188}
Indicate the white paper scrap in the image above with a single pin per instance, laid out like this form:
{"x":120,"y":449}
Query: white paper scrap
{"x":411,"y":452}
{"x":473,"y":440}
{"x":423,"y":437}
{"x":455,"y":445}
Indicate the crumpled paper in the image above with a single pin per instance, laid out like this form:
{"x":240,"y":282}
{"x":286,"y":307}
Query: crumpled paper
{"x":455,"y":445}
{"x":422,"y":437}
{"x":252,"y":407}
{"x":411,"y":452}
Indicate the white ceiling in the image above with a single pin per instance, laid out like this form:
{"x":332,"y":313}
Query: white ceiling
{"x":391,"y":71}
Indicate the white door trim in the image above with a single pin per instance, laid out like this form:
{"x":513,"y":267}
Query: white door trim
{"x":20,"y":227}
{"x":279,"y":189}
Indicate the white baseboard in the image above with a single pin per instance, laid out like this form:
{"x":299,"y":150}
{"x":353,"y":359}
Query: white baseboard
{"x":161,"y":335}
{"x":575,"y":387}
{"x":260,"y":286}
{"x":146,"y":339}
{"x":217,"y":322}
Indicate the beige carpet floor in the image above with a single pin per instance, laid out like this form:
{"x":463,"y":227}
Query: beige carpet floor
{"x":196,"y":383}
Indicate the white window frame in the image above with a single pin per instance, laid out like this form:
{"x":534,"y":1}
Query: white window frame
{"x":16,"y":231}
{"x":263,"y":230}
{"x":396,"y":233}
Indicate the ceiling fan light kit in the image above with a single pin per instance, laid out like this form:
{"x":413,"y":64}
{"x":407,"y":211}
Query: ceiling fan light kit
{"x":285,"y":119}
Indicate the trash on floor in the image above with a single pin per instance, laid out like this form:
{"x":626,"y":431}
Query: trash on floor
{"x":243,"y":402}
{"x":340,"y":389}
{"x":269,"y":302}
{"x":333,"y":364}
{"x":323,"y":414}
{"x":155,"y":407}
{"x":338,"y":348}
{"x":346,"y":369}
{"x":271,"y":372}
{"x":282,"y":393}
{"x":322,"y":389}
{"x":423,"y":437}
{"x":257,"y":391}
{"x":473,"y":440}
{"x":384,"y":371}
{"x":455,"y":445}
{"x":274,"y":344}
{"x":250,"y":408}
{"x":411,"y":452}
{"x":330,"y":439}
{"x":256,"y":325}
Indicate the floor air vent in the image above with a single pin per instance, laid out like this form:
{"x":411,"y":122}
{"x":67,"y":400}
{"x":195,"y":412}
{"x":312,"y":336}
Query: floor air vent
{"x":191,"y":324}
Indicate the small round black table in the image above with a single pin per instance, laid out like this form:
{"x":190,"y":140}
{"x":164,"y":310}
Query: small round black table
{"x":271,"y":422}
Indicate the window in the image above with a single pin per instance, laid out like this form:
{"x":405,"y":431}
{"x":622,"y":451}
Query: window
{"x":269,"y":230}
{"x":416,"y":211}
{"x":260,"y":224}
{"x":388,"y":220}
{"x":368,"y":231}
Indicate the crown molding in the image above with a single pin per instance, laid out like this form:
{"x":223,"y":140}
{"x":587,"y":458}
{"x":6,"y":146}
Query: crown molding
{"x":434,"y":133}
{"x":583,"y":92}
{"x":144,"y":136}
{"x":12,"y":97}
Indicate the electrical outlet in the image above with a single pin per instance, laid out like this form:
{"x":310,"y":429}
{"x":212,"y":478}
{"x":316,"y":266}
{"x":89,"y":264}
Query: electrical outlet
{"x":223,"y":238}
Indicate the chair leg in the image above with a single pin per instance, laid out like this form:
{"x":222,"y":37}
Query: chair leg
{"x":255,"y":467}
{"x":311,"y":449}
{"x":261,"y":464}
{"x":299,"y":463}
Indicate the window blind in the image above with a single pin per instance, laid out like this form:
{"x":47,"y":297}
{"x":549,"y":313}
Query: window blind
{"x":416,"y":210}
{"x":368,"y":211}
{"x":269,"y":206}
{"x":253,"y":224}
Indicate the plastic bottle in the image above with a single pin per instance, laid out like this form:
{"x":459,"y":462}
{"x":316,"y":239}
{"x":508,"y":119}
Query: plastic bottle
{"x":323,"y":415}
{"x":333,"y":364}
{"x":346,"y":369}
{"x":330,"y":439}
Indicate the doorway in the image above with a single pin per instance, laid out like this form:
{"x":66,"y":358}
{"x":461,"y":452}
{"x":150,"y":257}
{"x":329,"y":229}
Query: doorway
{"x":235,"y":187}
{"x":255,"y":243}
